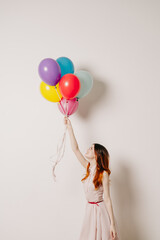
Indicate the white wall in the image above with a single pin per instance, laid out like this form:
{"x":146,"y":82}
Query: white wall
{"x":118,"y":43}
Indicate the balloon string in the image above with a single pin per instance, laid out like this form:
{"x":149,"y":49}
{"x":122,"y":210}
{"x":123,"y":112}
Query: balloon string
{"x":66,"y":107}
{"x":57,"y":93}
{"x":60,"y":151}
{"x":61,"y":145}
{"x":73,"y":107}
{"x":59,"y":98}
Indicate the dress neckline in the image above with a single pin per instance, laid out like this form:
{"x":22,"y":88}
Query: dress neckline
{"x":92,"y":168}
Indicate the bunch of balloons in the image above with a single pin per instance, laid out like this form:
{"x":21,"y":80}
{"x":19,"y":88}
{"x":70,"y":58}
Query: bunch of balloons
{"x":62,"y":85}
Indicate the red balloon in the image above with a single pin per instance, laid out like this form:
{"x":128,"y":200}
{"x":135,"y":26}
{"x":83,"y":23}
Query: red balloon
{"x":69,"y":86}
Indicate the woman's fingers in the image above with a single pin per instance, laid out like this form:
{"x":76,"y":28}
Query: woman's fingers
{"x":66,"y":120}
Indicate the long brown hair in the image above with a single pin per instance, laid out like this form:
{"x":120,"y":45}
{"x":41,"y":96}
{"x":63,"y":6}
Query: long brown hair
{"x":102,"y":158}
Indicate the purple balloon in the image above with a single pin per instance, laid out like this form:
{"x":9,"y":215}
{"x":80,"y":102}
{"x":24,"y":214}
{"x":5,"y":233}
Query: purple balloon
{"x":49,"y":71}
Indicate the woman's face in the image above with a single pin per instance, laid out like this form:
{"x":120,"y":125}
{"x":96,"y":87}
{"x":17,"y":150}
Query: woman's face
{"x":90,"y":154}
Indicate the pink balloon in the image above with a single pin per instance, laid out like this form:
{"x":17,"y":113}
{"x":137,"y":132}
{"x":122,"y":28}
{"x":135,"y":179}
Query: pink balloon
{"x":68,"y":106}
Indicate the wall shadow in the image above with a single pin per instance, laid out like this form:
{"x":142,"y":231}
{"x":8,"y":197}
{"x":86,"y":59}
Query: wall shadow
{"x":125,"y":196}
{"x":94,"y":98}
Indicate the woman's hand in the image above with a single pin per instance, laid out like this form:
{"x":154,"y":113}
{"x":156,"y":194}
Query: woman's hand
{"x":113,"y":231}
{"x":67,"y":122}
{"x":73,"y":140}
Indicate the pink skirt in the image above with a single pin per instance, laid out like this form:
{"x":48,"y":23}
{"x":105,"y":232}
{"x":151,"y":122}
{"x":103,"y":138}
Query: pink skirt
{"x":96,"y":223}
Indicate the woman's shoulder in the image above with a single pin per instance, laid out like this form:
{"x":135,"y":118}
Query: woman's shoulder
{"x":105,"y":175}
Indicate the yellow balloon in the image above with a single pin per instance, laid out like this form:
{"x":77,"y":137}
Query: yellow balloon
{"x":50,"y":93}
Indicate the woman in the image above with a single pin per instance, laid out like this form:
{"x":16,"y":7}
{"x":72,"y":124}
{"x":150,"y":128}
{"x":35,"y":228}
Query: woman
{"x":99,"y":222}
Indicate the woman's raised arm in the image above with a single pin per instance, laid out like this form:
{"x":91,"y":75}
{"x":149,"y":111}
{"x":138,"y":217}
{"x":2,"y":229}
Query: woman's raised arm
{"x":74,"y":143}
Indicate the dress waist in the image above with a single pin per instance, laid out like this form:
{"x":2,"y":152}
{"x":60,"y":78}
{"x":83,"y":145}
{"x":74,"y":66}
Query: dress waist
{"x":95,"y":202}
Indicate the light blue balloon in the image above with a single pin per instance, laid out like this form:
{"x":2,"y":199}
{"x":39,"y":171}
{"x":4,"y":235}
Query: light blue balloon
{"x":66,"y":65}
{"x":86,"y":81}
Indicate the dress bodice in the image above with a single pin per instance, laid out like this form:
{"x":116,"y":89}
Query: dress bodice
{"x":91,"y":193}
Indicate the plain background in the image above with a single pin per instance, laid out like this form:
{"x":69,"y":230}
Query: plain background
{"x":118,"y":43}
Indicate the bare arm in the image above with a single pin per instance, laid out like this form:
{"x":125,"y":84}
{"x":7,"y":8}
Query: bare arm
{"x":107,"y":197}
{"x":74,"y":144}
